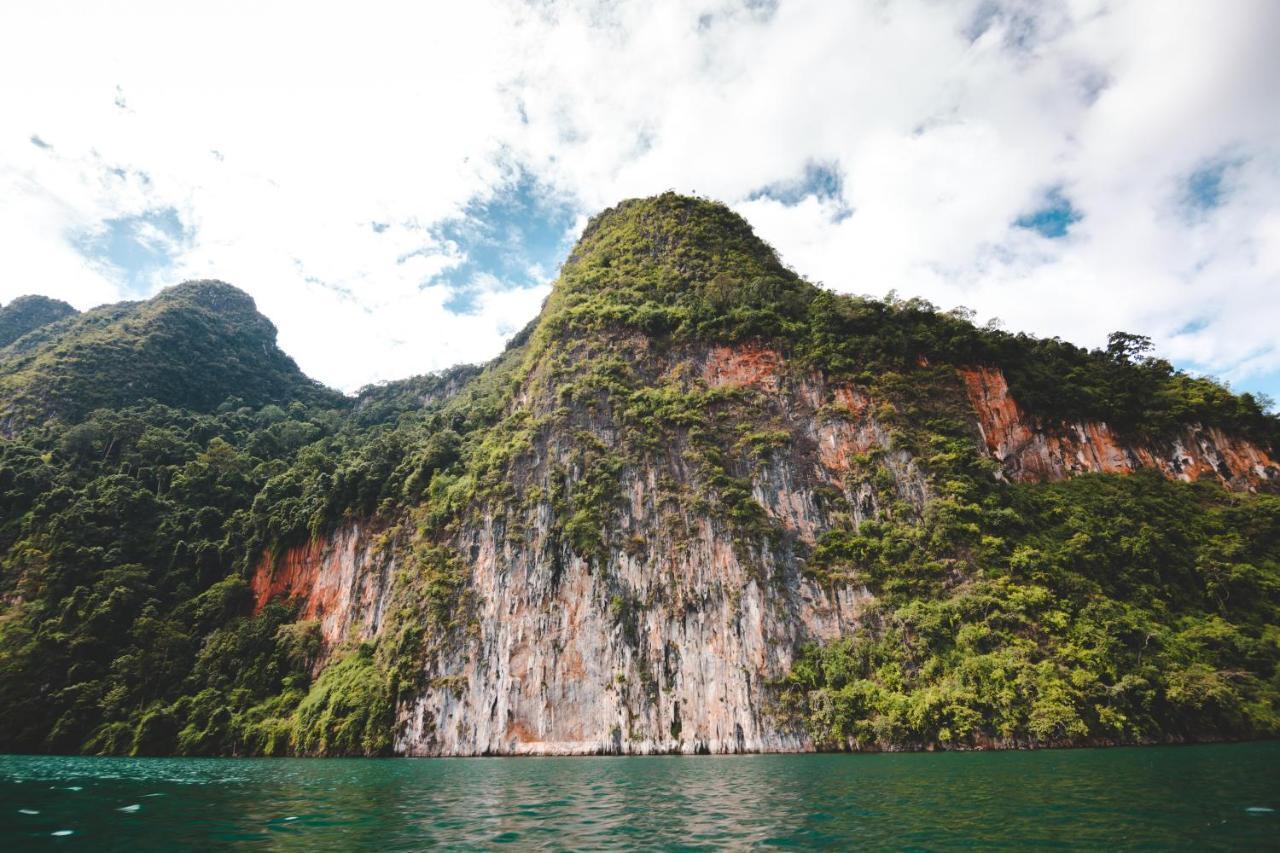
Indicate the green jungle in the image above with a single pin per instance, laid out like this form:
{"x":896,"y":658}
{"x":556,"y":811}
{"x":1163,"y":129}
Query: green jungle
{"x":151,"y":454}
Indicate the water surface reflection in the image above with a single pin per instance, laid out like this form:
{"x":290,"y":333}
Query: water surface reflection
{"x":1189,"y":797}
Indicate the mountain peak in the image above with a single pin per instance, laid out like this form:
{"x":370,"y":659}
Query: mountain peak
{"x":668,"y":239}
{"x":27,"y":313}
{"x":193,"y":345}
{"x":210,"y":294}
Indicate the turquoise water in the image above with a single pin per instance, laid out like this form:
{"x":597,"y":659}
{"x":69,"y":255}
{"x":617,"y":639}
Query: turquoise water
{"x":1200,"y":797}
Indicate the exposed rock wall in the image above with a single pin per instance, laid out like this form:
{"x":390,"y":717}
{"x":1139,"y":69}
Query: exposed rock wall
{"x":344,"y":580}
{"x":1031,"y":451}
{"x":669,"y":642}
{"x":676,"y":660}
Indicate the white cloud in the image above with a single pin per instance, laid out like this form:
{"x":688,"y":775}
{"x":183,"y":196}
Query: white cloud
{"x":282,"y":133}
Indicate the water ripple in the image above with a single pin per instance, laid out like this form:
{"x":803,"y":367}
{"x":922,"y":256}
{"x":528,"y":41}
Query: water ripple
{"x":1209,"y":797}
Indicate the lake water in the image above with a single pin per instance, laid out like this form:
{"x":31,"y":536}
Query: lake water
{"x":1198,"y":797}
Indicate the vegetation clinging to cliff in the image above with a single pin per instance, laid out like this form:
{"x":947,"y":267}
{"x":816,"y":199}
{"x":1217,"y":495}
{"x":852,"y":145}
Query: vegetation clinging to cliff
{"x":1102,"y":609}
{"x":1006,"y":612}
{"x":686,"y":269}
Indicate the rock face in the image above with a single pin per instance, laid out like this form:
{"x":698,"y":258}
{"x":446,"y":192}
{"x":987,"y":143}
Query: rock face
{"x":344,"y":581}
{"x":641,"y":544}
{"x":669,"y":643}
{"x":1030,"y":451}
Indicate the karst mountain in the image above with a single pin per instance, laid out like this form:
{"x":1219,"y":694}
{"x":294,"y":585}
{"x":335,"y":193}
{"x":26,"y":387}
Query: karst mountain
{"x":698,"y":505}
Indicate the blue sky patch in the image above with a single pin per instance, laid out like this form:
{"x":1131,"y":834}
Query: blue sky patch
{"x":760,"y":10}
{"x":137,"y":247}
{"x":1092,"y":84}
{"x":1021,"y":27}
{"x":514,"y":238}
{"x":1204,"y":190}
{"x":1199,"y":324}
{"x":1267,"y":384}
{"x":823,"y":181}
{"x":1053,"y":218}
{"x":983,"y":19}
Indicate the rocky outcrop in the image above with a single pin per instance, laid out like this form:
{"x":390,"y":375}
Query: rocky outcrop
{"x":343,"y":581}
{"x":743,"y":366}
{"x":648,"y":653}
{"x":1030,"y":450}
{"x":669,"y":640}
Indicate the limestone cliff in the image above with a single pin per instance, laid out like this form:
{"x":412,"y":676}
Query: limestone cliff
{"x":681,"y":477}
{"x":1031,"y":450}
{"x":671,"y":641}
{"x":697,"y":505}
{"x":343,"y":581}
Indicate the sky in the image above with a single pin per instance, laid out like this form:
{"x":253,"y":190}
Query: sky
{"x":396,"y":183}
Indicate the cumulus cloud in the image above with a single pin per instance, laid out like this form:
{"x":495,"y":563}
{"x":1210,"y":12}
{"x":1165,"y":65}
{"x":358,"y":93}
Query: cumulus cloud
{"x":395,"y":186}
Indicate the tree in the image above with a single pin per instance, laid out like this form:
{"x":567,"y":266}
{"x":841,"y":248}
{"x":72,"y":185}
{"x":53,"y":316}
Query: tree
{"x":1126,"y":348}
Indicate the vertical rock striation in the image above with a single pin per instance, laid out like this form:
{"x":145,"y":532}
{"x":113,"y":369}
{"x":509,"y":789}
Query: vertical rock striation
{"x":669,"y":641}
{"x":343,"y":581}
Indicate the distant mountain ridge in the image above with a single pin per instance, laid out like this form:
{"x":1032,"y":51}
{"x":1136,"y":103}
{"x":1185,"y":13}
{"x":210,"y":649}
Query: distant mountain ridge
{"x":698,"y":505}
{"x":192,"y":346}
{"x":28,"y":313}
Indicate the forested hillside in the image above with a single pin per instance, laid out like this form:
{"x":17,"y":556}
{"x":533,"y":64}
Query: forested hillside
{"x":28,"y":313}
{"x":699,"y":504}
{"x":193,"y":346}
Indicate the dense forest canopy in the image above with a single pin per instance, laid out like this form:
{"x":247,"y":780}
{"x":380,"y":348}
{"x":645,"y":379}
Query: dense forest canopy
{"x":28,"y":313}
{"x":151,"y":453}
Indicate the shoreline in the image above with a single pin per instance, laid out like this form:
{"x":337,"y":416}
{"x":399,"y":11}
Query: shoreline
{"x":1071,"y":747}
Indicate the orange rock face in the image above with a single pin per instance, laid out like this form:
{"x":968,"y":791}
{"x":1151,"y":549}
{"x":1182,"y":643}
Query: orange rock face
{"x":296,"y":572}
{"x":1031,"y":451}
{"x":839,"y":440}
{"x":341,"y":580}
{"x":842,"y":440}
{"x":751,"y":366}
